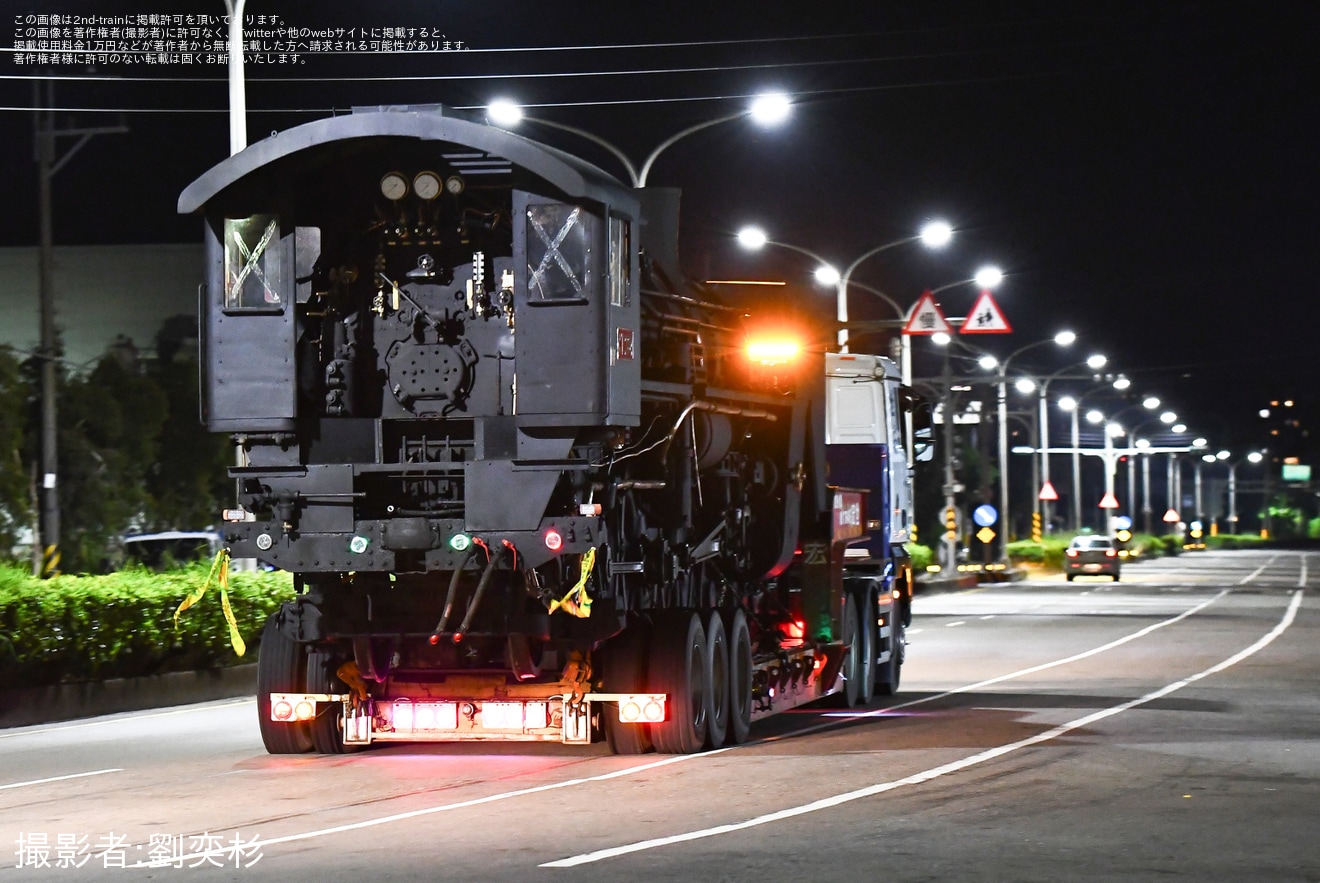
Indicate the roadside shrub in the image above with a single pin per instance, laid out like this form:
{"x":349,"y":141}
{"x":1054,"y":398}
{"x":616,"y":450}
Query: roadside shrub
{"x":1236,"y":541}
{"x":1047,"y":554}
{"x":922,"y":557}
{"x":79,"y":628}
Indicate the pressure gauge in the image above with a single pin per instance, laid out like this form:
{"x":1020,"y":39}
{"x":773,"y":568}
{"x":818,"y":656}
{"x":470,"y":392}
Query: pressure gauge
{"x":426,"y":185}
{"x":394,"y":186}
{"x":454,"y":185}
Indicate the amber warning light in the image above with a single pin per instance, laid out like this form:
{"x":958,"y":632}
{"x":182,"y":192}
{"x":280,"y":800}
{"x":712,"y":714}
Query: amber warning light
{"x":779,"y":351}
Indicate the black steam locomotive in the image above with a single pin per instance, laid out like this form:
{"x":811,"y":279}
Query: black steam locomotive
{"x":529,"y":480}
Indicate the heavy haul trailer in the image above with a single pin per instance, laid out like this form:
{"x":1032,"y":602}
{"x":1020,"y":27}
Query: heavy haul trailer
{"x":532,"y":485}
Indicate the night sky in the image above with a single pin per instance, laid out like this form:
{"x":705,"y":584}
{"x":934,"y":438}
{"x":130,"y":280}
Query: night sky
{"x":1145,"y":173}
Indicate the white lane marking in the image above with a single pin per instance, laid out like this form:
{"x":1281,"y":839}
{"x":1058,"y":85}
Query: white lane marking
{"x":432,"y":810}
{"x":1301,"y":580}
{"x":991,"y":616}
{"x":122,"y":718}
{"x":935,"y":772}
{"x":60,"y":778}
{"x":881,"y":712}
{"x":1255,"y":573}
{"x":949,"y":625}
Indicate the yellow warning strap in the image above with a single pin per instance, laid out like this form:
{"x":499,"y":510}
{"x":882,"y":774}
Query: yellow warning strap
{"x":577,"y":602}
{"x":220,"y":573}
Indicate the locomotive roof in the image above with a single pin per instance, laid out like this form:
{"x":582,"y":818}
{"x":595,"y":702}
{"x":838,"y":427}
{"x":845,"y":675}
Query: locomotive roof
{"x":572,"y":175}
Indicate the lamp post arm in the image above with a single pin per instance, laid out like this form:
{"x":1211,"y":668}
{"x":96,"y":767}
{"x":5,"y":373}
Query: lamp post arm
{"x":640,"y":180}
{"x":633,"y":177}
{"x":847,"y":274}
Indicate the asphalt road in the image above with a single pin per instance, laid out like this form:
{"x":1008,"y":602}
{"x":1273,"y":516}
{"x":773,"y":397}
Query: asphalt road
{"x":1166,"y":726}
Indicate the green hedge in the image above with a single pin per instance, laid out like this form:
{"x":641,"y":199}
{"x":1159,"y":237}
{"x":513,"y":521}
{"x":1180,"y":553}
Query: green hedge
{"x":78,"y":628}
{"x":922,"y":557}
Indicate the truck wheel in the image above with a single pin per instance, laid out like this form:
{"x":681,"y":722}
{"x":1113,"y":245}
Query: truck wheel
{"x":281,"y":665}
{"x":677,"y":663}
{"x":889,"y":673}
{"x":623,"y":670}
{"x":854,"y":660}
{"x":740,"y":677}
{"x":327,"y":729}
{"x":715,"y":680}
{"x":871,"y":645}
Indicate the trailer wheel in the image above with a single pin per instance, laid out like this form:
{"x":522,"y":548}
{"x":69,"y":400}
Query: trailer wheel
{"x":866,"y":620}
{"x":281,"y":665}
{"x":854,"y":663}
{"x":327,"y":729}
{"x":889,"y":673}
{"x":715,"y":680}
{"x":740,"y":677}
{"x":623,"y":670}
{"x":677,"y":664}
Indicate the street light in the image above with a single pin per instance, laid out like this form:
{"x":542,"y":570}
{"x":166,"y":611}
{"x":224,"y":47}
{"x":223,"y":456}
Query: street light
{"x":1168,"y":417}
{"x":766,"y":109}
{"x":1073,"y":405}
{"x":934,"y":234}
{"x":1095,"y":363}
{"x":1064,"y":339}
{"x":1253,"y":457}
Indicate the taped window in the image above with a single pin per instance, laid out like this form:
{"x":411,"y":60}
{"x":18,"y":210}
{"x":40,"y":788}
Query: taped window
{"x":559,"y":258}
{"x":620,"y":261}
{"x":253,"y":277}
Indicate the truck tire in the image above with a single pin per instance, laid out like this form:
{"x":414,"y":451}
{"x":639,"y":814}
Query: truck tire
{"x":890,"y":672}
{"x":854,"y":658}
{"x":676,"y":668}
{"x":326,"y":728}
{"x":740,"y":677}
{"x":623,"y":670}
{"x":715,"y":680}
{"x":866,"y":619}
{"x":281,"y":668}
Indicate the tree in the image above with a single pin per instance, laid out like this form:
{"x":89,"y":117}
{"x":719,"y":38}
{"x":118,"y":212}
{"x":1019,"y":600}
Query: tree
{"x":110,"y":426}
{"x":15,"y":512}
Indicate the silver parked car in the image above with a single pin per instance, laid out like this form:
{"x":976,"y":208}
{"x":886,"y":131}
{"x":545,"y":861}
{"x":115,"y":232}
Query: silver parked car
{"x":1091,"y":556}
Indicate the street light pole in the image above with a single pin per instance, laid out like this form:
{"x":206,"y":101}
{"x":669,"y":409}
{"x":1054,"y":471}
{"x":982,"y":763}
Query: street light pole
{"x":1063,"y":338}
{"x":1095,"y":363}
{"x":1253,"y":457}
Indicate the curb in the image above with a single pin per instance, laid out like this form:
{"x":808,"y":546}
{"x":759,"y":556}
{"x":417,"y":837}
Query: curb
{"x":63,"y":702}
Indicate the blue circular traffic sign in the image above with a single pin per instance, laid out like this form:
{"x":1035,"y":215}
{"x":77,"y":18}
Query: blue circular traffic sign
{"x":985,"y":515}
{"x":1122,"y":522}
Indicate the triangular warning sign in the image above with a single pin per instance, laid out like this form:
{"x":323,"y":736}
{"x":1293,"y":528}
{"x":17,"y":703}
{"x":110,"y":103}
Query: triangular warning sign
{"x":985,"y":317}
{"x":1109,"y":502}
{"x":926,"y":317}
{"x":1048,"y":493}
{"x":1171,"y":517}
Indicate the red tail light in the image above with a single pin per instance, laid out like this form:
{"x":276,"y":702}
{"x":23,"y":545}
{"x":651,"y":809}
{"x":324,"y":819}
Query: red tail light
{"x":1111,"y":553}
{"x":1072,"y":553}
{"x":553,"y":540}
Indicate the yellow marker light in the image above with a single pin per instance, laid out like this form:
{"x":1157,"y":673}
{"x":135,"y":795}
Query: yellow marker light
{"x":773,"y":352}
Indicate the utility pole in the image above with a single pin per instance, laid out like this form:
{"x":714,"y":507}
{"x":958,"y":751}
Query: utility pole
{"x":48,"y":165}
